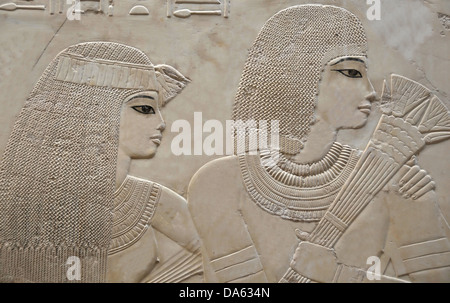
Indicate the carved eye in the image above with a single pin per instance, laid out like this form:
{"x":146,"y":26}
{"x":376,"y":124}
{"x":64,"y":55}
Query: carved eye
{"x":351,"y":73}
{"x":144,"y":109}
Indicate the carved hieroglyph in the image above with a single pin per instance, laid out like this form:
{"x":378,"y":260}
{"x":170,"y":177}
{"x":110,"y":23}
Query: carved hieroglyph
{"x":321,"y":212}
{"x":64,"y":160}
{"x":188,"y":8}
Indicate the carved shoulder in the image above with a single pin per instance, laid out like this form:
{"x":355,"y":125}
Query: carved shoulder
{"x":217,"y":184}
{"x":172,"y":218}
{"x":213,"y":200}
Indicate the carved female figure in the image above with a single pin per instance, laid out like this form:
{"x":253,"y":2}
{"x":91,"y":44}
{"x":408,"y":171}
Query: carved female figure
{"x":307,"y":69}
{"x":65,"y":189}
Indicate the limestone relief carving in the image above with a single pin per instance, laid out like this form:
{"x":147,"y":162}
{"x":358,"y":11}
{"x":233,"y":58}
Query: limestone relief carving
{"x":288,"y":141}
{"x":13,"y":6}
{"x":187,"y":8}
{"x":445,"y":20}
{"x":325,"y":208}
{"x":61,"y":6}
{"x":65,"y":188}
{"x":56,"y":6}
{"x":139,"y":10}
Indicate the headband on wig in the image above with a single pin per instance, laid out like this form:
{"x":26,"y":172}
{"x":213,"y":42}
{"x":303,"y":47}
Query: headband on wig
{"x":99,"y":72}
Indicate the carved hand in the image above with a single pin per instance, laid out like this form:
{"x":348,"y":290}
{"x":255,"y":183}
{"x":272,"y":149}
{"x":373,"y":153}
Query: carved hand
{"x":412,"y":181}
{"x":316,"y":262}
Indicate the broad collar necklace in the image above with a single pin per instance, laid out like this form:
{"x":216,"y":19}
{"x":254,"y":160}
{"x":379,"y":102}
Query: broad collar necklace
{"x":134,"y":205}
{"x":298,"y":192}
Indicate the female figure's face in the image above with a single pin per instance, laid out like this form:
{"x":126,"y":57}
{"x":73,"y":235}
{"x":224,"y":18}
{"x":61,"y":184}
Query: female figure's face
{"x":345,"y":93}
{"x":141,"y":126}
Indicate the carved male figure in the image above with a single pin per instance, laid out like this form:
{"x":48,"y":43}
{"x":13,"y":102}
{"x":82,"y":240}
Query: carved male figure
{"x":308,"y":218}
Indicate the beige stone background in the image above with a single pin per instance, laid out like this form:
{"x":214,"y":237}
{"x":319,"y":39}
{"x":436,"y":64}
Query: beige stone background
{"x":409,"y":40}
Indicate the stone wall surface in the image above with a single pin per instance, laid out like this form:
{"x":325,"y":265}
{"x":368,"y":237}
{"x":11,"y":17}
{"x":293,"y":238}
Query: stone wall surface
{"x":92,"y":98}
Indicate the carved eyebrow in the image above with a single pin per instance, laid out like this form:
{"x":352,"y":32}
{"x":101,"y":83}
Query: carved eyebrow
{"x":141,"y":96}
{"x":349,"y":59}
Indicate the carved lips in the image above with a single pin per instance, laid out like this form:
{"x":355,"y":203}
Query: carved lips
{"x":156,"y":139}
{"x":365,"y":108}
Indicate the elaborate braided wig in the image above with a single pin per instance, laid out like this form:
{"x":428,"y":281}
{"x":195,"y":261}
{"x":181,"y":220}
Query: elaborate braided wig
{"x":57,"y":179}
{"x":281,"y":76}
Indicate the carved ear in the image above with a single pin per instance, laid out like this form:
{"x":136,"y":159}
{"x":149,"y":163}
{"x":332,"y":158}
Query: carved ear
{"x":171,"y":82}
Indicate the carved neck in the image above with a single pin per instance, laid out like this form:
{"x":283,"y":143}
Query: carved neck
{"x":320,"y":139}
{"x":123,"y":166}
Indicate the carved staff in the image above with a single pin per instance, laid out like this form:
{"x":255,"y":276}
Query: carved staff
{"x":413,"y":118}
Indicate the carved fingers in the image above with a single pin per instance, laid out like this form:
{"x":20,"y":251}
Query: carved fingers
{"x":415,"y":182}
{"x":301,"y":235}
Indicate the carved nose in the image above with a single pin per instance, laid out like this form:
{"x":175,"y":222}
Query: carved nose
{"x":372,"y":97}
{"x":162,"y":126}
